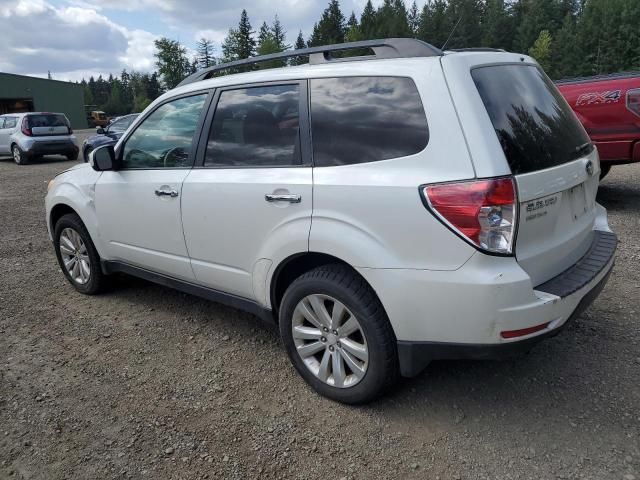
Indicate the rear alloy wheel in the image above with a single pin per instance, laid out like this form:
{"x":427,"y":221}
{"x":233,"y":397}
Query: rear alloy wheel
{"x":18,"y":155}
{"x":77,"y":256}
{"x":337,"y":334}
{"x":330,"y":340}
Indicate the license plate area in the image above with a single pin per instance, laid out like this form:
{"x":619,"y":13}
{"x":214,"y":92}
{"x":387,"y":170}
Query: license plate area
{"x":577,"y":197}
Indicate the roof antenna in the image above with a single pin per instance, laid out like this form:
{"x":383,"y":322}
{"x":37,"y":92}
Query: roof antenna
{"x":451,"y":34}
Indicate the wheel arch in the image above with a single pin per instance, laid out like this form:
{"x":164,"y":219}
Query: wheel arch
{"x":295,"y":265}
{"x":57,"y":212}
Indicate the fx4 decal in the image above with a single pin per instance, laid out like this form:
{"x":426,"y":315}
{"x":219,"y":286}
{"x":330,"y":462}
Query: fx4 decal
{"x":597,"y":98}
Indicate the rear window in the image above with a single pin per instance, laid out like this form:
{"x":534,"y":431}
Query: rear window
{"x":536,"y":127}
{"x":47,"y":120}
{"x":365,"y":119}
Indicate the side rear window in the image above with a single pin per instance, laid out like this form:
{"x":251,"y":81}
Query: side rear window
{"x":535,"y":126}
{"x":10,"y":122}
{"x":365,"y":119}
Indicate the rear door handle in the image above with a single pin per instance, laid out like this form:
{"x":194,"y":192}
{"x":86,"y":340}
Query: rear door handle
{"x":272,"y":197}
{"x":166,"y":193}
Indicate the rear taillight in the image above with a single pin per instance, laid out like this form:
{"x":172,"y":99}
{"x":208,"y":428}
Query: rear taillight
{"x":24,"y":127}
{"x":483,"y":212}
{"x":633,"y":101}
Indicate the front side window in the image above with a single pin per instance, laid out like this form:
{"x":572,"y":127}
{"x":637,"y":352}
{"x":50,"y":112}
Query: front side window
{"x":164,"y":138}
{"x":365,"y":119}
{"x":255,"y":127}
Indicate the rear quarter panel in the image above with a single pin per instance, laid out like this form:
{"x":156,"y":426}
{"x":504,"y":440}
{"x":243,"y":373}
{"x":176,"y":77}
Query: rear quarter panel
{"x":371,"y":214}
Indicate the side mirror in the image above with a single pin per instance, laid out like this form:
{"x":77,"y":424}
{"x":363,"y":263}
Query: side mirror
{"x":100,"y":131}
{"x":103,"y":158}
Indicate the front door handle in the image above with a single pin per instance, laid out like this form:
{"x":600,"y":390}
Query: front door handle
{"x":167,"y":193}
{"x":272,"y":197}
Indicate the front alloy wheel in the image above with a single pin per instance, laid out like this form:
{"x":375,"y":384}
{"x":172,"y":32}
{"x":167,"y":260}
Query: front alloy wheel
{"x":330,"y":340}
{"x":75,"y":256}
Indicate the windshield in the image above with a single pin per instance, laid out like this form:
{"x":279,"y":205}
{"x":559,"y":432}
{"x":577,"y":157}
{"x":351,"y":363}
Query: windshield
{"x":535,"y":126}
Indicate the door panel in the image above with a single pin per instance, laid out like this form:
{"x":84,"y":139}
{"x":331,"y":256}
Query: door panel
{"x":229,"y":225}
{"x":249,"y":204}
{"x":141,"y":227}
{"x":138,"y":207}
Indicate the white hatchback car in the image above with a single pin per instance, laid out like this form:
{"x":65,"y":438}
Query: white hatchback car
{"x":27,"y":136}
{"x":408,"y":206}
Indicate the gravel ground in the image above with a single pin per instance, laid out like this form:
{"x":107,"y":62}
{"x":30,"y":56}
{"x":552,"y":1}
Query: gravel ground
{"x":146,"y":382}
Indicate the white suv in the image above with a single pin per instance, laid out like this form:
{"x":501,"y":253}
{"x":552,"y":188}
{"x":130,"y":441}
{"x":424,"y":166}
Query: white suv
{"x":27,"y":136}
{"x":384,"y":210}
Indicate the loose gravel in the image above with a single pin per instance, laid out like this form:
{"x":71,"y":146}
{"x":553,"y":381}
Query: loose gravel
{"x":147,"y":382}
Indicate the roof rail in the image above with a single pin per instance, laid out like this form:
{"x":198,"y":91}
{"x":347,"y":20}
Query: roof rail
{"x":476,"y":49}
{"x":383,"y":48}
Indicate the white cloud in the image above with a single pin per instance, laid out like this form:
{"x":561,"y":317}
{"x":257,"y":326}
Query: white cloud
{"x":71,"y":42}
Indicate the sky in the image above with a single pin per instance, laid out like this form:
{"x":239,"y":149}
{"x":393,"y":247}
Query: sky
{"x":74,"y":39}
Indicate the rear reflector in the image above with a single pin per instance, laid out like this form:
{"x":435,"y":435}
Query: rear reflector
{"x":524,"y":331}
{"x":483,"y":212}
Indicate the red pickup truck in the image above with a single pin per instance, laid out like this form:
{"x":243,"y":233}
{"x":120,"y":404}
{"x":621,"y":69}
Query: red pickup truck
{"x":609,"y":108}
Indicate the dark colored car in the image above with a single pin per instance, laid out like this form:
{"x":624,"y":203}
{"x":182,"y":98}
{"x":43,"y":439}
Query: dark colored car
{"x":108,"y":135}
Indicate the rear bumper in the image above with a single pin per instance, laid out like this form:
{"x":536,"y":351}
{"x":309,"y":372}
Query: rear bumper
{"x":415,"y":356}
{"x":573,"y":291}
{"x":52,"y":147}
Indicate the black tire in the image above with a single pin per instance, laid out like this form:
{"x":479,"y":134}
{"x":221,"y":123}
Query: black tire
{"x":97,"y":280}
{"x":73,"y":156}
{"x":345,"y":285}
{"x":604,"y":170}
{"x":18,"y":155}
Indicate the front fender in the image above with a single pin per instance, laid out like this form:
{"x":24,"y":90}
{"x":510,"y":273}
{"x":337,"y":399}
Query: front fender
{"x":77,"y":193}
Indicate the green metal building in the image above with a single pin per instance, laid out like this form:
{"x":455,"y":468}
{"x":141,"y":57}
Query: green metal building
{"x":19,"y":93}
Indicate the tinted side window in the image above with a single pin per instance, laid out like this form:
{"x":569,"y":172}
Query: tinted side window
{"x":256,"y":127}
{"x":365,"y":119}
{"x":163,"y":139}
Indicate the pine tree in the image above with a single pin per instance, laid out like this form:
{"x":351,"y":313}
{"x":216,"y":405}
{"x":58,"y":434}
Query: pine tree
{"x":435,"y":23}
{"x":467,"y":14}
{"x":368,"y":22}
{"x":331,"y":28}
{"x":353,"y":29}
{"x":205,"y":49}
{"x":239,"y":43}
{"x":498,"y":25}
{"x":271,"y":40}
{"x":299,"y":45}
{"x":392,"y":20}
{"x":413,"y":18}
